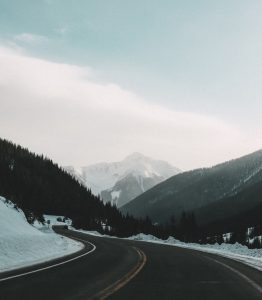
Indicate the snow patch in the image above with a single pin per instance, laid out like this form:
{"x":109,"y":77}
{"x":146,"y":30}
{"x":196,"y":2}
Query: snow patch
{"x":22,"y":244}
{"x":115,"y":195}
{"x":251,"y":257}
{"x":57,"y":220}
{"x":103,"y":176}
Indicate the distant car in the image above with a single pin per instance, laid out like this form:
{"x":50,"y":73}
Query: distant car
{"x":64,"y":227}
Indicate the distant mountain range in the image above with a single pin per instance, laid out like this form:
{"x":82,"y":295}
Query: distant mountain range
{"x":40,"y":187}
{"x":120,"y":182}
{"x":230,"y":192}
{"x":226,"y":197}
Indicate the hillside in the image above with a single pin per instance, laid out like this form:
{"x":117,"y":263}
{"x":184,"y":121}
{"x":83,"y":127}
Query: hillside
{"x":38,"y":186}
{"x":22,"y":244}
{"x":239,"y":211}
{"x":201,"y":191}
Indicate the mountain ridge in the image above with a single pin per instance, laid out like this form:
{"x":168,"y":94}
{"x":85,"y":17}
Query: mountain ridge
{"x":192,"y":190}
{"x":119,"y":182}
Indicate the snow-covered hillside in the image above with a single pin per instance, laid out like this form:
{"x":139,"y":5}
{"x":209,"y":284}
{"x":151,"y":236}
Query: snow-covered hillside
{"x":22,"y":244}
{"x":119,"y":182}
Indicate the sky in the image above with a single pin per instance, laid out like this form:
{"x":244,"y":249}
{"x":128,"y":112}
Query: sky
{"x":88,"y":81}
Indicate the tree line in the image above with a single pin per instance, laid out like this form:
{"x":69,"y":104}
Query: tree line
{"x":38,"y":186}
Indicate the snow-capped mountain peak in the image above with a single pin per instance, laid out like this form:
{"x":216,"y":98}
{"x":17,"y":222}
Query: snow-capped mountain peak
{"x":144,"y":172}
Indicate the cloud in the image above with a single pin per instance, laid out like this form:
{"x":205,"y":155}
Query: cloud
{"x":30,"y":38}
{"x":62,"y":30}
{"x":59,"y":110}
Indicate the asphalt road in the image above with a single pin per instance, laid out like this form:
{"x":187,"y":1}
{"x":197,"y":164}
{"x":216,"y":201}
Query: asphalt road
{"x":120,"y":269}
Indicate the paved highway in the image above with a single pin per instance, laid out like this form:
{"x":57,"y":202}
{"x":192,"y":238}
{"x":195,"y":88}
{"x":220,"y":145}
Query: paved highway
{"x":120,"y":269}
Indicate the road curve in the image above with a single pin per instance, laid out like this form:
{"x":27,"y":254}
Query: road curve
{"x":121,"y":269}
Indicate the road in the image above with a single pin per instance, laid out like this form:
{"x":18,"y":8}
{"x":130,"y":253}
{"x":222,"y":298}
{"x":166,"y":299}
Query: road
{"x":121,"y":269}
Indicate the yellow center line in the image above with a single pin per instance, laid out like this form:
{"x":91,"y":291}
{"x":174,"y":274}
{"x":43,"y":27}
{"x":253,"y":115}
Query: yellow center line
{"x":125,"y":279}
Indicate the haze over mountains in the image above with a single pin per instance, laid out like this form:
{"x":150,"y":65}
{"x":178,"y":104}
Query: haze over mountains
{"x":226,"y":191}
{"x":224,"y":198}
{"x":40,"y":187}
{"x":120,"y":182}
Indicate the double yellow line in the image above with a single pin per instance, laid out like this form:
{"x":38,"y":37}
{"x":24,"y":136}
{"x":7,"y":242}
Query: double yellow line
{"x":125,"y":279}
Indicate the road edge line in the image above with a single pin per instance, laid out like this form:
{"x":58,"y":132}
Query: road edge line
{"x":54,"y":265}
{"x":247,"y":279}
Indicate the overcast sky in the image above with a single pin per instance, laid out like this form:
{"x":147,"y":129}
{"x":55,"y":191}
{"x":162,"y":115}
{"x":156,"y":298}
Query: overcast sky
{"x":87,"y":81}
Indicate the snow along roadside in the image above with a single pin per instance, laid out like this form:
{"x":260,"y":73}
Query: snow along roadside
{"x":21,"y":244}
{"x":251,"y":257}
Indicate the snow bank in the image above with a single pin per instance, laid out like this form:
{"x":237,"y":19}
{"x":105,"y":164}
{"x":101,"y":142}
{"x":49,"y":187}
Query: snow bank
{"x":22,"y":244}
{"x":252,"y":257}
{"x":91,"y":232}
{"x":57,"y":220}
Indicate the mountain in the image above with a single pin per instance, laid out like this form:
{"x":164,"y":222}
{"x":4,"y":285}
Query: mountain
{"x":75,"y":173}
{"x":216,"y":193}
{"x":120,"y":182}
{"x":38,"y":186}
{"x":239,"y":211}
{"x":129,"y":187}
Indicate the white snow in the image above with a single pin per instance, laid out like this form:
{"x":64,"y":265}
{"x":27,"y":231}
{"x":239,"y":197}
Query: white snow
{"x":115,"y":195}
{"x":103,"y":176}
{"x":251,"y":257}
{"x":55,"y":220}
{"x":92,"y":232}
{"x":76,"y":173}
{"x":22,"y":244}
{"x":246,"y":177}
